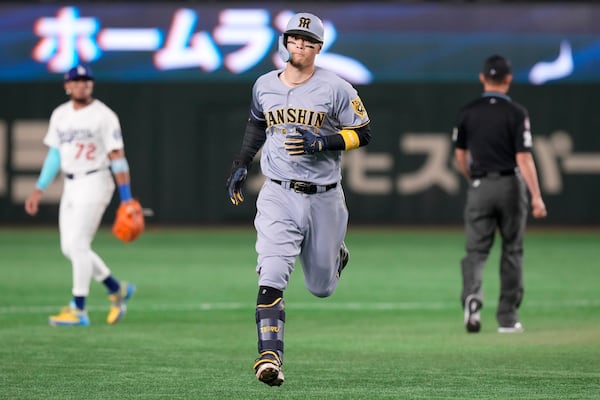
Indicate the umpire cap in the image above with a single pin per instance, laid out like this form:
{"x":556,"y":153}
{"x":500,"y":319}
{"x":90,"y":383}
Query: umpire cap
{"x":496,"y":67}
{"x":79,"y":72}
{"x":305,"y":24}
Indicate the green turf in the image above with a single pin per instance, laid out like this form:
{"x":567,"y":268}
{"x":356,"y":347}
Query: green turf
{"x":392,"y":330}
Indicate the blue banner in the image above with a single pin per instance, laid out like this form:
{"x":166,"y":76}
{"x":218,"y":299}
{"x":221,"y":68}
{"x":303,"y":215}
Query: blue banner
{"x":365,"y":43}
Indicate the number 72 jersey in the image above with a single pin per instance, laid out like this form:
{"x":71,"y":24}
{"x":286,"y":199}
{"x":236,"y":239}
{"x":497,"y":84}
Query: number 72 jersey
{"x":84,"y":136}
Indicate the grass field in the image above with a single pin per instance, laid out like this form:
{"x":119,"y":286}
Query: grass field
{"x":392,"y":330}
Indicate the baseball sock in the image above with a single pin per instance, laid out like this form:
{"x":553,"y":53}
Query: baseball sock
{"x":111,"y":284}
{"x":79,"y":302}
{"x":270,"y":319}
{"x":267,"y":295}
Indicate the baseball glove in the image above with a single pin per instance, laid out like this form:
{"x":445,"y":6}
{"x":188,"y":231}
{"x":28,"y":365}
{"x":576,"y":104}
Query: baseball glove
{"x":129,"y":222}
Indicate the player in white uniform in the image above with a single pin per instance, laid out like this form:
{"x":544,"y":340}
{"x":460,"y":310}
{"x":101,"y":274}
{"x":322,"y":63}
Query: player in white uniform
{"x":85,"y":143}
{"x":303,"y":117}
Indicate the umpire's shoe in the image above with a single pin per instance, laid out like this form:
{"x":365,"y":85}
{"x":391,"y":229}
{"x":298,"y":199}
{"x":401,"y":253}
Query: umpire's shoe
{"x":70,"y":316}
{"x":344,"y":257}
{"x":517,"y":327}
{"x":118,"y":300}
{"x":268,"y":368}
{"x":472,"y":314}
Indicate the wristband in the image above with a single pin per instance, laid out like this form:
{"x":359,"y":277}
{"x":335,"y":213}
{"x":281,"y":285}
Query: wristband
{"x":125,"y":192}
{"x":351,"y":140}
{"x":119,"y":165}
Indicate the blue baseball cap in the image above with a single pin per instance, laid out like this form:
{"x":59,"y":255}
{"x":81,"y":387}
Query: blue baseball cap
{"x":79,"y":72}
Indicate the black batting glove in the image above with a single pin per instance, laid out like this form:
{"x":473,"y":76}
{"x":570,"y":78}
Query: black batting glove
{"x":303,"y":141}
{"x":235,"y":182}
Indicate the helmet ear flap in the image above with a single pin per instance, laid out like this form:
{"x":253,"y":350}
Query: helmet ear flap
{"x":282,"y":50}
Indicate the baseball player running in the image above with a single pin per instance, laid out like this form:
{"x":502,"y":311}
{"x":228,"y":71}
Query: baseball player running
{"x":303,"y":117}
{"x":85,"y":142}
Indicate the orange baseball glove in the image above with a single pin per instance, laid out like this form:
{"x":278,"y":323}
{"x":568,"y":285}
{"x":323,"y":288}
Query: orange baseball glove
{"x":129,"y":222}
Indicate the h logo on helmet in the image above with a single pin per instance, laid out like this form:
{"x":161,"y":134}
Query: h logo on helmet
{"x":304,"y":23}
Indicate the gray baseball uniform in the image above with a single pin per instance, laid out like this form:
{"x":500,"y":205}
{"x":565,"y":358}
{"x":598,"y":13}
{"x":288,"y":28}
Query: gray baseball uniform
{"x":290,"y":223}
{"x":303,"y":117}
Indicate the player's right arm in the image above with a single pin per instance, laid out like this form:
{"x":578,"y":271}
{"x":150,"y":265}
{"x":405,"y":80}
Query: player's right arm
{"x":254,"y":137}
{"x":47,"y":174}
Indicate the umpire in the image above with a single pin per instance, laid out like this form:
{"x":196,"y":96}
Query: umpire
{"x":492,"y":146}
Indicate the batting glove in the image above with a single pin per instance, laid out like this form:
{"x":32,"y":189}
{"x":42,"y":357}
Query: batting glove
{"x":304,"y":141}
{"x":235,"y":182}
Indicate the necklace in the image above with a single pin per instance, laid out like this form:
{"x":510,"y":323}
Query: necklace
{"x":291,"y":83}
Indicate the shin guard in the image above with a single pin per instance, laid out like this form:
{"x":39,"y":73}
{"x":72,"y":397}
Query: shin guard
{"x":270,"y":319}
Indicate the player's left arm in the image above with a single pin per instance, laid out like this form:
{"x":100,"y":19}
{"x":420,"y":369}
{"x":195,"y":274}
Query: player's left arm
{"x":304,"y":141}
{"x":355,"y":131}
{"x":113,"y":142}
{"x":356,"y":125}
{"x":349,"y":138}
{"x":129,"y":221}
{"x":120,"y":169}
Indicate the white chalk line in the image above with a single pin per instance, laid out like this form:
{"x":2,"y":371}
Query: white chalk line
{"x":326,"y":306}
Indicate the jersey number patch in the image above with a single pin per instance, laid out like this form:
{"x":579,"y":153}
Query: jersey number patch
{"x":85,"y":150}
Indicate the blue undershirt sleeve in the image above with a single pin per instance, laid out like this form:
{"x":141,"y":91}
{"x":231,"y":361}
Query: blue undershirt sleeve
{"x":49,"y":169}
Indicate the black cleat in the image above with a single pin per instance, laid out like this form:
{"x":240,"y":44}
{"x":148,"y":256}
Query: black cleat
{"x":472,"y":314}
{"x":268,"y":369}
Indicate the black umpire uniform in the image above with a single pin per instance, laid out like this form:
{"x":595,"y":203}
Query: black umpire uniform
{"x":491,"y":132}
